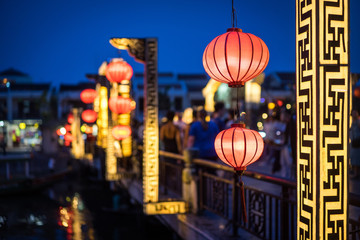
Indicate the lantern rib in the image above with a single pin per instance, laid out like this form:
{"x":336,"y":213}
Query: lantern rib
{"x":216,"y":62}
{"x":252,"y":57}
{"x":261,"y":57}
{"x":267,"y":59}
{"x":207,"y":64}
{"x":226,"y":60}
{"x":238,"y":75}
{"x":244,"y":148}
{"x":251,"y":161}
{"x":233,"y":148}
{"x":222,"y":149}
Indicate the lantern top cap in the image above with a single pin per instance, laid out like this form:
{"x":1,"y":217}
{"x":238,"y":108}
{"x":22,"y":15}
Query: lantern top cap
{"x":240,"y":125}
{"x":117,"y":60}
{"x":233,"y":30}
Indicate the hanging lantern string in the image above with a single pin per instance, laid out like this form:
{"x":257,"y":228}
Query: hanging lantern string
{"x":242,"y":192}
{"x":233,"y":15}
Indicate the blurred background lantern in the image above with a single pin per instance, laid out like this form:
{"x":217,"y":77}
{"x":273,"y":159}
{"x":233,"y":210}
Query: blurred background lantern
{"x":68,"y":137}
{"x":70,"y":118}
{"x":68,"y":127}
{"x":357,"y":92}
{"x":89,"y":116}
{"x":120,"y":132}
{"x":88,"y":95}
{"x":121,"y":105}
{"x":118,"y":70}
{"x":235,"y":57}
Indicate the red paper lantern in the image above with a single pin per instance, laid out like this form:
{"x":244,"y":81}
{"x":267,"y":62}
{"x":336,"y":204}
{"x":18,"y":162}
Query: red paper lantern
{"x":67,"y":143}
{"x":238,"y":146}
{"x":70,"y":118}
{"x":235,"y":57}
{"x":58,"y":132}
{"x":68,"y":127}
{"x":121,"y":105}
{"x":88,"y":95}
{"x":88,"y":130}
{"x":89,"y":116}
{"x":118,"y":70}
{"x":68,"y":137}
{"x":357,"y":92}
{"x":120,"y":132}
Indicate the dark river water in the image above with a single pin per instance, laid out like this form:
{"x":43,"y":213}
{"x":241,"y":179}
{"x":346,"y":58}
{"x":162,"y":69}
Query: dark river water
{"x":77,"y":209}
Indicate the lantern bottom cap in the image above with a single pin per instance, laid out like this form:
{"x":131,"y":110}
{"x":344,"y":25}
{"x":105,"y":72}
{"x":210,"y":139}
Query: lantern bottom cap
{"x":240,"y":169}
{"x":236,"y":84}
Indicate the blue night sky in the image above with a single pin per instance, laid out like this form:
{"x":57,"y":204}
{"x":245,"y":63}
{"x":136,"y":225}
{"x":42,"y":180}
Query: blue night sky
{"x":61,"y":41}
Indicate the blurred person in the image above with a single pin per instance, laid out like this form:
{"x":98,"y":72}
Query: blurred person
{"x":187,"y":129}
{"x":3,"y":144}
{"x":170,"y":135}
{"x":181,"y":125}
{"x":355,"y":143}
{"x":51,"y":164}
{"x":278,"y":141}
{"x":220,"y":115}
{"x":230,"y":119}
{"x":285,"y":152}
{"x":268,"y":141}
{"x":202,"y":135}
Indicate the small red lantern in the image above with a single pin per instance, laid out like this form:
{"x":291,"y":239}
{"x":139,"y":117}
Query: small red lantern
{"x":120,"y":132}
{"x":70,"y":118}
{"x":88,"y":130}
{"x":58,"y":132}
{"x":68,"y":137}
{"x":88,"y":95}
{"x":89,"y":116}
{"x":67,"y":143}
{"x":121,"y":105}
{"x":357,"y":92}
{"x":235,"y":57}
{"x":239,"y":147}
{"x":68,"y":127}
{"x":118,"y":70}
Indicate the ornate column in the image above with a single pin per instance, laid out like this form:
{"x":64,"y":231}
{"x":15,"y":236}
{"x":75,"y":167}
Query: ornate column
{"x":146,"y":51}
{"x":322,"y":68}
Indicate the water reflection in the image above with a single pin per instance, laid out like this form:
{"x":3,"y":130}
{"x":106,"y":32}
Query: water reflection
{"x":74,"y":210}
{"x":47,"y":215}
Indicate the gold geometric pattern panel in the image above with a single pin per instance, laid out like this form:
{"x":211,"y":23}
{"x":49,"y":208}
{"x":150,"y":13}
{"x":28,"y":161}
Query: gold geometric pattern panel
{"x":322,"y":70}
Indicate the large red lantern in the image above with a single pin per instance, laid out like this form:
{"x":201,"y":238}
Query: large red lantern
{"x":118,"y":70}
{"x":121,"y":105}
{"x":89,"y":116}
{"x":88,"y":95}
{"x":239,"y":147}
{"x":235,"y":57}
{"x":121,"y":132}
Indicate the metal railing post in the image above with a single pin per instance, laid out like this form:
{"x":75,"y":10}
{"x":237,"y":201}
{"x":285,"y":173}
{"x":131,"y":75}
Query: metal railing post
{"x":235,"y":199}
{"x":285,"y":221}
{"x":189,"y":189}
{"x":7,"y":170}
{"x":27,"y":169}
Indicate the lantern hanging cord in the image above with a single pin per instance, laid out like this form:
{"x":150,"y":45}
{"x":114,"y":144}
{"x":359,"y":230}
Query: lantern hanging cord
{"x":233,"y":15}
{"x":243,"y":204}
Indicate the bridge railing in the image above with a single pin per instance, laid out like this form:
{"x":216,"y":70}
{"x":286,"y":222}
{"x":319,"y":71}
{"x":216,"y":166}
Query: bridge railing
{"x":213,"y":187}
